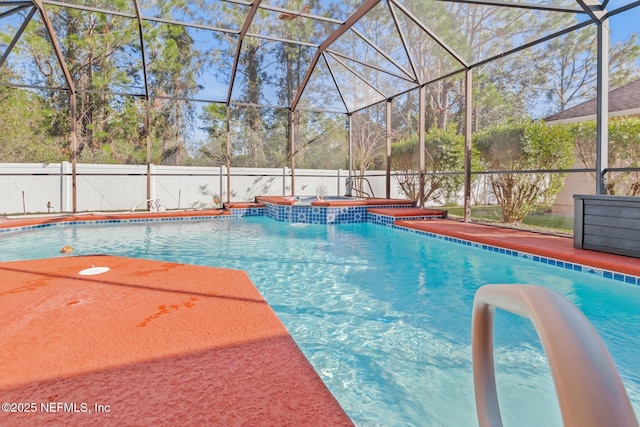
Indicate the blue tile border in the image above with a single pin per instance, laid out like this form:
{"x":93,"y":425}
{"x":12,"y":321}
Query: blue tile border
{"x":388,"y":221}
{"x":245,"y":212}
{"x":321,"y":214}
{"x":619,"y":277}
{"x":112,"y":221}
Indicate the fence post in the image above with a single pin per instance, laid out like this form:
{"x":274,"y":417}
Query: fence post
{"x":284,"y":181}
{"x":65,"y":187}
{"x":339,"y":176}
{"x":223,"y":173}
{"x":152,"y":183}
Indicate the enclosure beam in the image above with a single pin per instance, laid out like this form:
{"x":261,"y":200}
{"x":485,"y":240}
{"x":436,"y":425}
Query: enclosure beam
{"x":388,"y":132}
{"x":228,"y":156}
{"x":531,"y":6}
{"x":384,"y":55}
{"x":431,"y":34}
{"x":602,"y":109}
{"x":350,"y":124}
{"x":421,"y":153}
{"x":18,"y":34}
{"x":594,"y":9}
{"x":354,"y":72}
{"x":56,"y":46}
{"x":147,"y":98}
{"x":243,"y":32}
{"x":403,"y":40}
{"x":335,"y":82}
{"x":405,"y":77}
{"x":19,"y":6}
{"x":362,"y":10}
{"x":74,"y":151}
{"x":72,"y":94}
{"x":468,"y":132}
{"x":292,"y":147}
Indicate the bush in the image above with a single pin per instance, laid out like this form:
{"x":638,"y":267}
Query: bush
{"x":444,"y":152}
{"x":624,"y":140}
{"x":524,"y":146}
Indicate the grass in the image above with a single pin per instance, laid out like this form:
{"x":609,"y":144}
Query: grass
{"x":539,"y":220}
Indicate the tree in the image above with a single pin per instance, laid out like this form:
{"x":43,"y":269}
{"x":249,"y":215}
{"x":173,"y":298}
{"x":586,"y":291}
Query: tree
{"x":322,"y":142}
{"x":624,"y":152}
{"x":444,"y":153}
{"x":513,"y":148}
{"x":23,"y":126}
{"x":368,"y":142}
{"x":213,"y":152}
{"x":569,"y":64}
{"x":102,"y":52}
{"x":174,"y":65}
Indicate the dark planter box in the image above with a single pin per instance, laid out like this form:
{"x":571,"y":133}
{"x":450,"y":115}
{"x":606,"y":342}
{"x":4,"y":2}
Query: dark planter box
{"x":607,"y":224}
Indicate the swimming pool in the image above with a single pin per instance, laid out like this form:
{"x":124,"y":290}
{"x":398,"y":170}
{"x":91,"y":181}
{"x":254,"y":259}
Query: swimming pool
{"x":384,"y":316}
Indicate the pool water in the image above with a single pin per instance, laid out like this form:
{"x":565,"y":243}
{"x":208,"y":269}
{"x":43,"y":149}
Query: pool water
{"x":383,"y":315}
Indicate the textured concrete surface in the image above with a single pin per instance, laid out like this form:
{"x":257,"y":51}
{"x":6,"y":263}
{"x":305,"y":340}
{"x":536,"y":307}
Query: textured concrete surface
{"x":148,"y":343}
{"x":29,"y":220}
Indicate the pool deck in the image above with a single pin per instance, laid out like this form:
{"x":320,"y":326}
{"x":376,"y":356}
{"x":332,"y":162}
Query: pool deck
{"x":171,"y":344}
{"x":149,"y":343}
{"x":27,"y":220}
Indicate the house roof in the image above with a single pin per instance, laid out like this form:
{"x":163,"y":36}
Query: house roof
{"x":623,"y":101}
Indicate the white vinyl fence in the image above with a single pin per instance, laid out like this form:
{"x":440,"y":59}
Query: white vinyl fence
{"x":41,"y":188}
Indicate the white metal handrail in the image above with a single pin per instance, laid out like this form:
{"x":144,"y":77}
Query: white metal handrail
{"x":589,"y":389}
{"x":356,"y":183}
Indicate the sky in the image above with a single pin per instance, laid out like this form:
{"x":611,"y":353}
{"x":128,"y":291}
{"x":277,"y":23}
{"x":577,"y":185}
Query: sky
{"x":622,"y":25}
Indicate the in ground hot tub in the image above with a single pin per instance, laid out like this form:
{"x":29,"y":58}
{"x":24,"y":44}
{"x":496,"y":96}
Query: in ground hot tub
{"x":328,"y":210}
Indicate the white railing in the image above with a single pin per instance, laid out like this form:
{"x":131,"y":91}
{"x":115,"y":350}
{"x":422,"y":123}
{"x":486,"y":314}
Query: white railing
{"x":589,"y":389}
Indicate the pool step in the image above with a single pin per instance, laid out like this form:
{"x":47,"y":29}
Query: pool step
{"x":410,"y":213}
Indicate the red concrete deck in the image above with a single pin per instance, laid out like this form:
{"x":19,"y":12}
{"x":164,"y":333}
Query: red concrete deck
{"x":363,"y":202}
{"x":525,"y":241}
{"x":48,"y":219}
{"x":149,"y":343}
{"x":276,"y":200}
{"x":407,"y":212}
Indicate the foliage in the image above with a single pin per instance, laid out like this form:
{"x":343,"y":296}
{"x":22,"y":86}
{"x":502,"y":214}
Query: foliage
{"x":524,"y":146}
{"x":368,"y":137}
{"x":103,"y":54}
{"x":213,"y":151}
{"x":444,"y":153}
{"x":540,"y":220}
{"x":624,"y":152}
{"x":23,"y":120}
{"x":321,"y":141}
